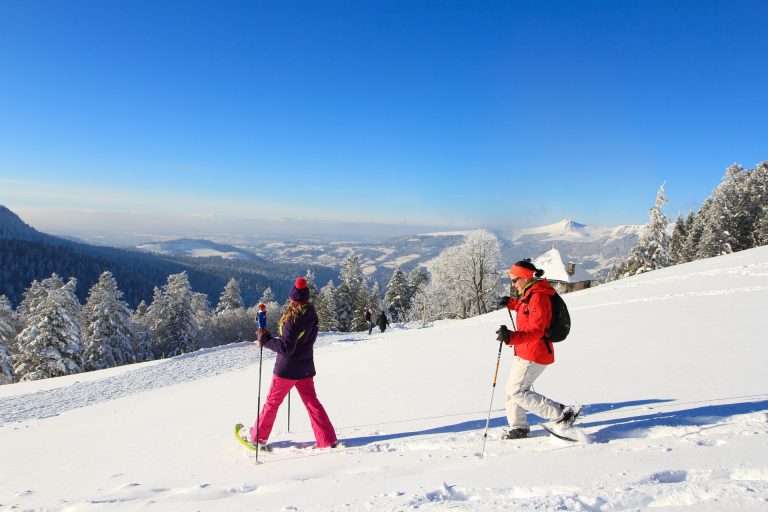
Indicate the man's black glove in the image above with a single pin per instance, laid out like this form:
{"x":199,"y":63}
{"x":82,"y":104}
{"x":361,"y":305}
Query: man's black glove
{"x":504,"y":301}
{"x":503,"y":334}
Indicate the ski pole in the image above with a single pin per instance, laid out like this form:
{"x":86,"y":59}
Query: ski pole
{"x":493,"y":391}
{"x":258,"y":405}
{"x":289,"y":410}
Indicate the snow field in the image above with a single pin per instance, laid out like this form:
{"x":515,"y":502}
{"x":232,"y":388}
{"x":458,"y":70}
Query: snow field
{"x":669,"y":366}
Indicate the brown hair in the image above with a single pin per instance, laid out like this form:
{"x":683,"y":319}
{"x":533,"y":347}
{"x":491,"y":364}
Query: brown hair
{"x":293,"y":310}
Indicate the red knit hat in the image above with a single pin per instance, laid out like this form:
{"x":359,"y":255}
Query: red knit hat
{"x":299,"y":293}
{"x":262,"y":307}
{"x":523,"y":268}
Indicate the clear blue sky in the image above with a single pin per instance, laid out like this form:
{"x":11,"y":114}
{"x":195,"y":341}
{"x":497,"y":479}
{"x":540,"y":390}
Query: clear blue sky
{"x":424,"y":112}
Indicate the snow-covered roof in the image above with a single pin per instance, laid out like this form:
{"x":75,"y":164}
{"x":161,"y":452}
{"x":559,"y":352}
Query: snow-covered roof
{"x":555,"y":268}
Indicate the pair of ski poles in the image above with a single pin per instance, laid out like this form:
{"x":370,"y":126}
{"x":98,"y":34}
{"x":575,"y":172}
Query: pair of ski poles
{"x":493,"y":389}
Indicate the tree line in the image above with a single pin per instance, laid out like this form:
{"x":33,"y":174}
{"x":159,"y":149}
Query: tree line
{"x":52,"y":334}
{"x":733,"y":218}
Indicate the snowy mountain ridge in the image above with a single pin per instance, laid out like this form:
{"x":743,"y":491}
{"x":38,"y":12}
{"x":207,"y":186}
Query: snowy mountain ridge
{"x":672,"y":418}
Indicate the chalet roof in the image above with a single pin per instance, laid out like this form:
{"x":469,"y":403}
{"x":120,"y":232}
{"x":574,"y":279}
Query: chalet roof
{"x":555,"y":268}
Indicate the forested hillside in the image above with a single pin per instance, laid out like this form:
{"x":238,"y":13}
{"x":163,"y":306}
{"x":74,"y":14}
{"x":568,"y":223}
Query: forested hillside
{"x":27,"y":255}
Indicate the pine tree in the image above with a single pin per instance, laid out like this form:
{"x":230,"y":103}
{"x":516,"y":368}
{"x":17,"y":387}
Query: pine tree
{"x":230,"y":298}
{"x":9,"y":322}
{"x":142,"y":342}
{"x":348,"y":293}
{"x":201,"y":312}
{"x":757,"y":190}
{"x":678,"y":240}
{"x":6,"y":365}
{"x":417,"y":280}
{"x":9,"y":328}
{"x":325,"y":304}
{"x":172,"y":319}
{"x":375,"y":302}
{"x":267,"y":296}
{"x":107,"y":326}
{"x":397,"y":295}
{"x":311,"y":285}
{"x":652,"y":250}
{"x":361,"y":306}
{"x":729,"y":226}
{"x":345,"y":307}
{"x":50,"y":344}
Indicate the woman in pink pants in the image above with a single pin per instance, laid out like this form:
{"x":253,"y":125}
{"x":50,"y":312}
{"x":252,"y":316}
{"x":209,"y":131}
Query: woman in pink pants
{"x":295,"y":366}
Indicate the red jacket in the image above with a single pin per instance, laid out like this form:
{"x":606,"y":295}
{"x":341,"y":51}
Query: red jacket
{"x":534,"y":314}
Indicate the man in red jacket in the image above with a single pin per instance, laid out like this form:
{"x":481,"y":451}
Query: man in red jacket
{"x":533,"y":352}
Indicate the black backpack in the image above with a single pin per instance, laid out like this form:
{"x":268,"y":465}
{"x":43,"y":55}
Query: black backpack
{"x":561,"y":320}
{"x":560,"y":325}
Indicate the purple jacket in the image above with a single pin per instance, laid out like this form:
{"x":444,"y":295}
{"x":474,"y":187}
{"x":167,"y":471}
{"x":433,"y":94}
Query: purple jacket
{"x":294,"y":346}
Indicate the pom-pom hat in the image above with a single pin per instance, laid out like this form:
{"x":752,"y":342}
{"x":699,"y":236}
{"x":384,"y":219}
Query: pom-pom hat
{"x":262,"y":307}
{"x":299,"y":293}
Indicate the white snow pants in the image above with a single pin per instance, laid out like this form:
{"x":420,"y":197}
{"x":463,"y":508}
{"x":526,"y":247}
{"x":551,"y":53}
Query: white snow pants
{"x":520,"y":398}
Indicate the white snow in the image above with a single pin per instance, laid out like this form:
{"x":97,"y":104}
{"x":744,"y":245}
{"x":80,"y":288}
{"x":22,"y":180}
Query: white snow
{"x":670,"y":366}
{"x":555,"y":268}
{"x":568,"y":229}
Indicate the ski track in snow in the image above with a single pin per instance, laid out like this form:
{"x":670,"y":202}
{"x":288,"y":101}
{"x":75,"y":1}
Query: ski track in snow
{"x":188,"y":367}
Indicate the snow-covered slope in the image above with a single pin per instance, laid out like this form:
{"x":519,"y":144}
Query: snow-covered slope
{"x":670,"y":366}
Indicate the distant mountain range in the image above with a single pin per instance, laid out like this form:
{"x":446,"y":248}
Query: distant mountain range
{"x":27,"y":254}
{"x":594,"y":248}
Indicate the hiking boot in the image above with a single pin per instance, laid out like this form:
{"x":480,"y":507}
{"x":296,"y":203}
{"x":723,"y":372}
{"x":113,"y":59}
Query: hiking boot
{"x":568,"y":416}
{"x":517,"y":433}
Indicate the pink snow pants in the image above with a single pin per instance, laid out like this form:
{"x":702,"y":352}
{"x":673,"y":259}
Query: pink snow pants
{"x":325,"y":435}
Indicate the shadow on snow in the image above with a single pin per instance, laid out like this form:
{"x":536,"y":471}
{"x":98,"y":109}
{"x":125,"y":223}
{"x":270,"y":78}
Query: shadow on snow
{"x":616,"y":428}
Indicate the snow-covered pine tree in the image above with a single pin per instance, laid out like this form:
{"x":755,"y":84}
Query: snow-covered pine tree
{"x":375,"y":302}
{"x":267,"y":296}
{"x":106,"y":326}
{"x":230,"y":298}
{"x":397,"y":295}
{"x":347,"y":293}
{"x":6,"y":365}
{"x":417,"y":280}
{"x":325,"y":304}
{"x":141,"y":337}
{"x":361,"y":306}
{"x":9,"y":328}
{"x":9,"y":322}
{"x":172,"y":319}
{"x":678,"y":240}
{"x":757,"y":190}
{"x":652,"y":250}
{"x":50,"y":343}
{"x":201,"y":311}
{"x":730,"y":221}
{"x":311,"y":285}
{"x":33,"y":296}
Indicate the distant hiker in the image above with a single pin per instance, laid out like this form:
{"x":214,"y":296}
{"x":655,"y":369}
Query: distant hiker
{"x":382,"y":321}
{"x":532,"y":352}
{"x":261,"y":316}
{"x":295,"y":366}
{"x":368,"y":319}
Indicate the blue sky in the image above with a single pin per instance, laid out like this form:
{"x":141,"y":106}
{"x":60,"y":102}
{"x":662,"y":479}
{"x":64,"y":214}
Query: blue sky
{"x":441,"y":113}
